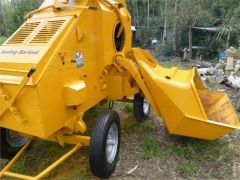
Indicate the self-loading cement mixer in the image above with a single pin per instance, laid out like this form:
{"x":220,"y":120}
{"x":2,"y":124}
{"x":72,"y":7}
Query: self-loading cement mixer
{"x":71,"y":55}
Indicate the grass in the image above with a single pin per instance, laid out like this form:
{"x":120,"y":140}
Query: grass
{"x":2,"y":39}
{"x":147,"y":126}
{"x":38,"y":157}
{"x":129,"y":107}
{"x":151,"y":143}
{"x":20,"y":166}
{"x":76,"y":175}
{"x":128,"y":127}
{"x":151,"y":147}
{"x":131,"y":125}
{"x":187,"y":168}
{"x":193,"y":157}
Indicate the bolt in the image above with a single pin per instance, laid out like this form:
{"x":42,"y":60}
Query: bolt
{"x":5,"y":97}
{"x":14,"y":110}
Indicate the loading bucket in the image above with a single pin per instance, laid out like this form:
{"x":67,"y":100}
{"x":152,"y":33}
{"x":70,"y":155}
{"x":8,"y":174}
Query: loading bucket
{"x":186,"y":107}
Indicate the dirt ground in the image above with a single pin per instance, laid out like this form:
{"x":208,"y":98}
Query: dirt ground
{"x":147,"y":151}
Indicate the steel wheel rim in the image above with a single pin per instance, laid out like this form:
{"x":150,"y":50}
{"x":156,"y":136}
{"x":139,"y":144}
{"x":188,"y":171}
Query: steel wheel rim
{"x":15,"y":141}
{"x":112,"y":143}
{"x":146,"y":107}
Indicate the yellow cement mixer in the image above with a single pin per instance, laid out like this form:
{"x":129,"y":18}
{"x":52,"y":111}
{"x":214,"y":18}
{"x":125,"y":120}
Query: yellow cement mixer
{"x":67,"y":57}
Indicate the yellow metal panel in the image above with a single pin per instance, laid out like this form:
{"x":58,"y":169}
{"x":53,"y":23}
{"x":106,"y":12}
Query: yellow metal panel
{"x":75,"y":93}
{"x":115,"y":87}
{"x":28,"y":106}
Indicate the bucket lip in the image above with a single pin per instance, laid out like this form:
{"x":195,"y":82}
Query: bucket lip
{"x":214,"y":122}
{"x":223,"y":124}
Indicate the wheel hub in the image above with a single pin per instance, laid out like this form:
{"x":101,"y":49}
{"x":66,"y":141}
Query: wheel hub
{"x":112,"y":143}
{"x":146,"y":107}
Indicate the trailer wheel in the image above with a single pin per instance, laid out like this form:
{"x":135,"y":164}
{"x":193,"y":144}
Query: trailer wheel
{"x":105,"y":144}
{"x":10,"y":144}
{"x":141,"y":107}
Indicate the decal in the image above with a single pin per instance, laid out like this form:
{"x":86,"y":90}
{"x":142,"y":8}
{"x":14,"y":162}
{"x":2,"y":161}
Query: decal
{"x":79,"y":59}
{"x":19,"y":52}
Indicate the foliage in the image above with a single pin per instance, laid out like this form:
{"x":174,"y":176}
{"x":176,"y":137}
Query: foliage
{"x":164,"y":49}
{"x":201,"y":13}
{"x":147,"y":126}
{"x":151,"y":147}
{"x":13,"y":15}
{"x":76,"y":175}
{"x":39,"y":156}
{"x":2,"y":39}
{"x":228,"y":12}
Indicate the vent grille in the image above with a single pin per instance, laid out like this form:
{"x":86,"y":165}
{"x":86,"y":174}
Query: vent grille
{"x":23,"y":33}
{"x":47,"y":32}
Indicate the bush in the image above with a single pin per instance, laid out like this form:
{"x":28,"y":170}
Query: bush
{"x":14,"y":16}
{"x":164,"y":49}
{"x":2,"y":39}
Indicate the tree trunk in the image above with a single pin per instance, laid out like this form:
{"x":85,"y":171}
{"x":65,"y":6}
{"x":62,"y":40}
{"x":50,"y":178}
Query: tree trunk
{"x":190,"y":42}
{"x":175,"y":30}
{"x":136,"y":9}
{"x":148,"y":14}
{"x":165,"y":24}
{"x":137,"y":14}
{"x":229,"y":33}
{"x":228,"y":39}
{"x":161,"y":15}
{"x":1,"y":20}
{"x":15,"y":2}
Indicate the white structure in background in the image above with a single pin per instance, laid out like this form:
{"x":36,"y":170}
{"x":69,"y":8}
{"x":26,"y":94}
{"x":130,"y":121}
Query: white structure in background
{"x":133,"y":28}
{"x":185,"y":54}
{"x":234,"y":81}
{"x":237,"y":67}
{"x":154,"y":42}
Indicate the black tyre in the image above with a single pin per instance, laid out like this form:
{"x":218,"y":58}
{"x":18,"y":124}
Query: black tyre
{"x":141,"y":108}
{"x":105,"y":144}
{"x":10,"y":144}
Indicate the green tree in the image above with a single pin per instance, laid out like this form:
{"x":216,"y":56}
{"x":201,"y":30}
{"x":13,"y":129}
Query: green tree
{"x":14,"y":12}
{"x":228,"y":12}
{"x":194,"y":13}
{"x":1,"y":19}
